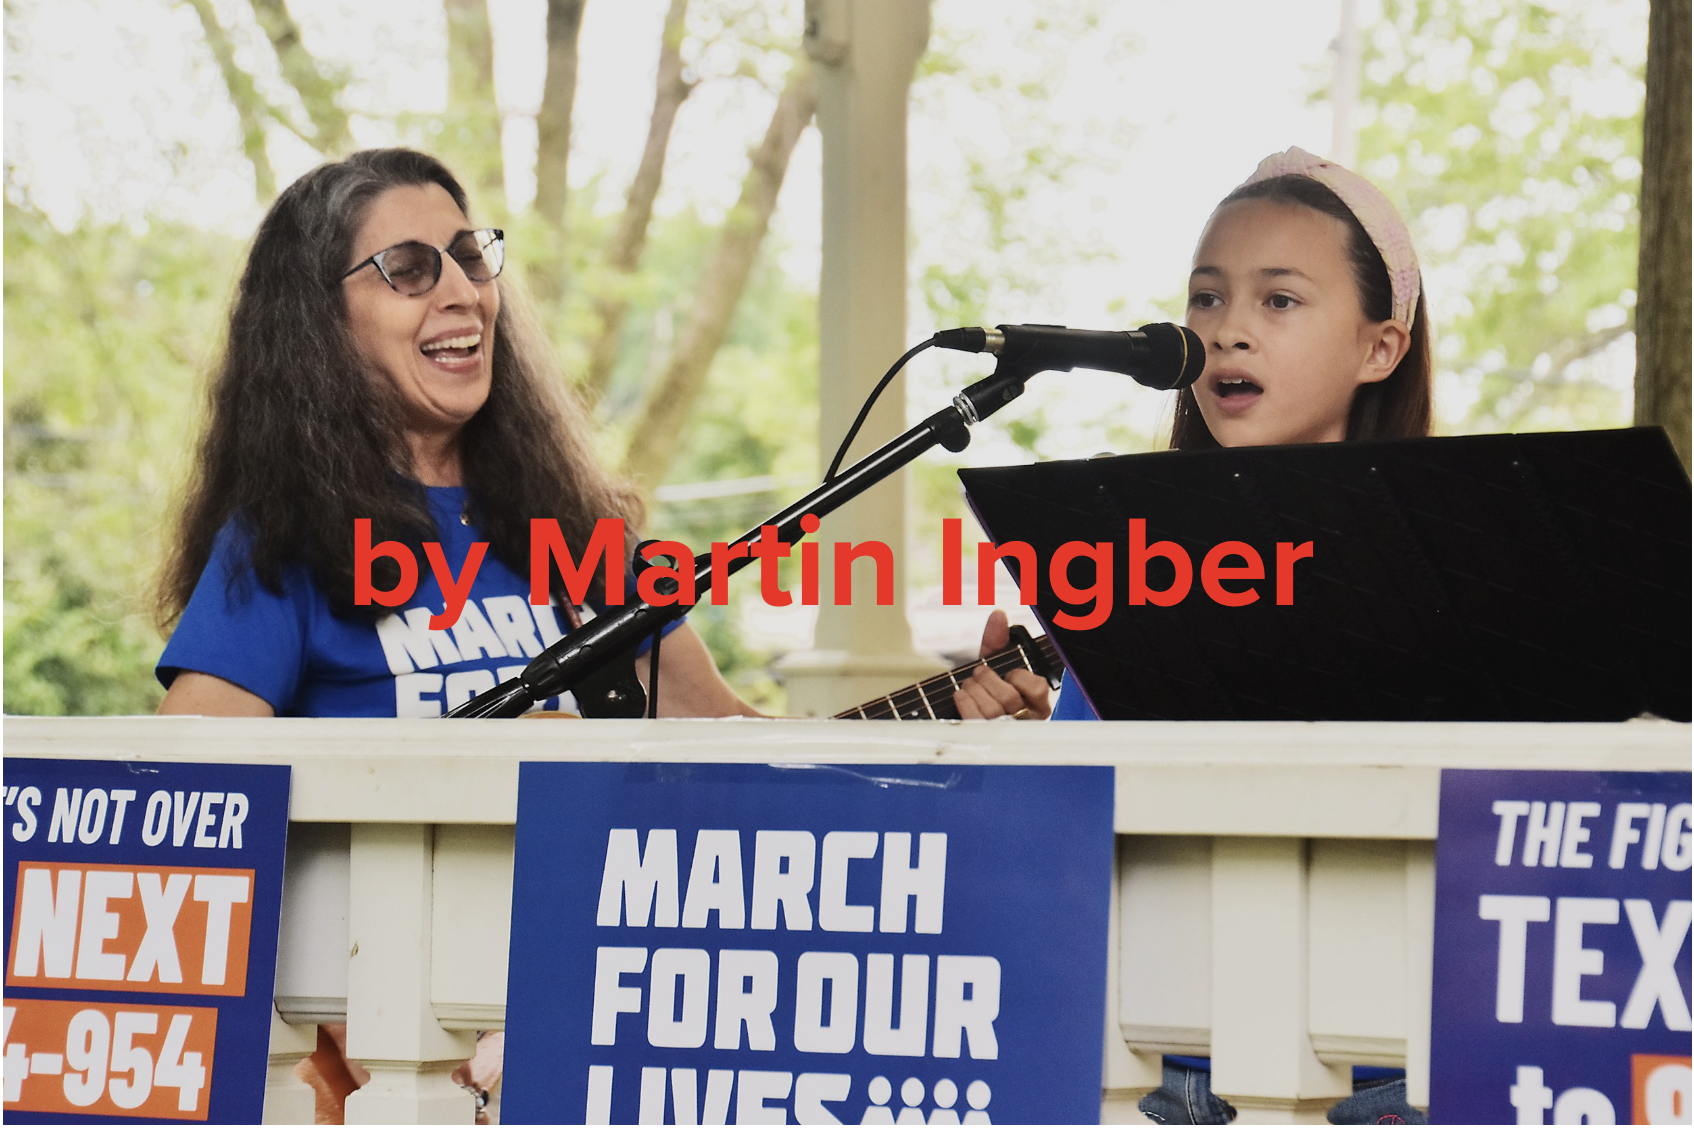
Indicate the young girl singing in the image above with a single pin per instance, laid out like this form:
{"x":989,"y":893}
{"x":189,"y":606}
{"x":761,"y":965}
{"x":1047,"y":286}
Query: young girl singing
{"x":1306,"y":293}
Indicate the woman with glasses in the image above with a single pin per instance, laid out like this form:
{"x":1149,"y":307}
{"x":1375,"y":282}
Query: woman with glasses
{"x":377,"y":368}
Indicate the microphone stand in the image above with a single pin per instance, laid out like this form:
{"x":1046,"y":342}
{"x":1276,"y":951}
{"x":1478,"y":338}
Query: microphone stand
{"x":579,"y":655}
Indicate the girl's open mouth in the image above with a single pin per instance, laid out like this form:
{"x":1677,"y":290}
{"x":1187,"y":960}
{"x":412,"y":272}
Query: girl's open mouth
{"x":1236,"y":391}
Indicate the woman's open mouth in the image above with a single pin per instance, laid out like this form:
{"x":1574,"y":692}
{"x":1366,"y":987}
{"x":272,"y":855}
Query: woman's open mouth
{"x":457,"y":351}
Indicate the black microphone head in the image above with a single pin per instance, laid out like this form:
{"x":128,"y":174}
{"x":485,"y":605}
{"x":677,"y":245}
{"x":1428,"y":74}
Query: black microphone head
{"x":1178,"y":356}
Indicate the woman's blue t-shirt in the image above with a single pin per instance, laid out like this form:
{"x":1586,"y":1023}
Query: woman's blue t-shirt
{"x":291,"y":651}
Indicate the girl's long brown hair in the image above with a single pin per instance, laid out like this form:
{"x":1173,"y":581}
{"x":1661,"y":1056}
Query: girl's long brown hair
{"x":1399,"y":407}
{"x":299,"y":440}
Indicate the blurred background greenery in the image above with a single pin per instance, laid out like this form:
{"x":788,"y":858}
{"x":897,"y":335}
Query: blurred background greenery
{"x":1509,"y":133}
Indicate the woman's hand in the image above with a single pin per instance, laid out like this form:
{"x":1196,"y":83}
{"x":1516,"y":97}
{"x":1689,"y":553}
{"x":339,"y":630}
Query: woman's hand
{"x":1020,"y":693}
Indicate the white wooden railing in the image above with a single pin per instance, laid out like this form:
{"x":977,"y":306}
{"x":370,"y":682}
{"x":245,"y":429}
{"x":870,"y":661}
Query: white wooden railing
{"x":1274,"y":902}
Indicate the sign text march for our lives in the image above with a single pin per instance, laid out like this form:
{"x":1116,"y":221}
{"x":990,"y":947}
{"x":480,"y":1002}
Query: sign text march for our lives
{"x":712,"y":944}
{"x":1561,"y":988}
{"x":142,"y":903}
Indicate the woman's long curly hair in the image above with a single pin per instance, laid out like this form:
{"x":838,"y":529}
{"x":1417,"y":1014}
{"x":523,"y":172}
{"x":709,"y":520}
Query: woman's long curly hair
{"x":1399,"y":407}
{"x":300,"y":439}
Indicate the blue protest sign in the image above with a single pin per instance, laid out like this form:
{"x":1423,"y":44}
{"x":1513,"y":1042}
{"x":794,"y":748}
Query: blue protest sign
{"x":142,"y":901}
{"x":853,"y":943}
{"x":1561,"y":948}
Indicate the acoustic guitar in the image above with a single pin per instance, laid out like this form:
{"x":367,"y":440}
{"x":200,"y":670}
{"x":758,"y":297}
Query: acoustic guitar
{"x":933,"y":698}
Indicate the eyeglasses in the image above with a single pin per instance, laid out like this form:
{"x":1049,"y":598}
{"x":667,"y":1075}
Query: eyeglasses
{"x":413,"y":268}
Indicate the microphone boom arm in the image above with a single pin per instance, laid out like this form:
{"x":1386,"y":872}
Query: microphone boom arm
{"x":562,"y":666}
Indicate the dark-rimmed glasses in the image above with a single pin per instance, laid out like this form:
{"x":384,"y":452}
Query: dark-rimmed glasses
{"x":413,"y":268}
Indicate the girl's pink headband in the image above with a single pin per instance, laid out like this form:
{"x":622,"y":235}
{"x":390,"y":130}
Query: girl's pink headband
{"x":1373,"y":211}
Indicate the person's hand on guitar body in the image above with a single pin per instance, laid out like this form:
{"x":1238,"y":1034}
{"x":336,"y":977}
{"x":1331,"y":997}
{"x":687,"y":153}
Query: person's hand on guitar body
{"x":985,"y":694}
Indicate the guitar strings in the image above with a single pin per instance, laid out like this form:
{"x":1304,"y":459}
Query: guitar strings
{"x":914,"y":701}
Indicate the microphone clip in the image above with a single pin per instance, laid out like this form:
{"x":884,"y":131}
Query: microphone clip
{"x":998,"y":389}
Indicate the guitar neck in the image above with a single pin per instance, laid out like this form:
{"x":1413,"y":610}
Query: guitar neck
{"x":933,"y":698}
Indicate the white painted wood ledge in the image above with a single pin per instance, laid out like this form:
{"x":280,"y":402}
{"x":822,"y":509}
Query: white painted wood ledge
{"x":1273,"y":904}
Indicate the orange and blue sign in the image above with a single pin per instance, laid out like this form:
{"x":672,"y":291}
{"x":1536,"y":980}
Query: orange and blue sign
{"x":142,"y":903}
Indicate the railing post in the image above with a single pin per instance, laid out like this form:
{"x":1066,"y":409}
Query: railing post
{"x":1128,"y":1074}
{"x":289,"y":1101}
{"x":391,"y":1027}
{"x":1420,"y":967}
{"x":1262,"y":1058}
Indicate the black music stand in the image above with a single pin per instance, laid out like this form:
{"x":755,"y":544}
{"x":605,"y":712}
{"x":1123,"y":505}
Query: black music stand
{"x":1537,"y":577}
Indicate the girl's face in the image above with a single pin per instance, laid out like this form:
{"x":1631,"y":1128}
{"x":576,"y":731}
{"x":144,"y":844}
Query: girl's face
{"x":1274,"y":299}
{"x":401,"y":338}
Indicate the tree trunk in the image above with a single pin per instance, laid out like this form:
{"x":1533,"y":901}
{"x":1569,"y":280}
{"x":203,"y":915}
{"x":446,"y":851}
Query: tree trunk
{"x":623,"y":255}
{"x":553,"y":146}
{"x":318,"y":92}
{"x":473,"y":115}
{"x":553,"y":123}
{"x":658,"y":430}
{"x":1662,"y":317}
{"x":250,"y":106}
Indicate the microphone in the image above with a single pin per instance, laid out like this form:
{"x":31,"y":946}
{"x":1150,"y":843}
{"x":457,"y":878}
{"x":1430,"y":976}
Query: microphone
{"x":1159,"y":355}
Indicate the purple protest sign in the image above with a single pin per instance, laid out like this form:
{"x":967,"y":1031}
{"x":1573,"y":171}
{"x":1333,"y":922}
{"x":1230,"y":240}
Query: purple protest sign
{"x":1561,"y":948}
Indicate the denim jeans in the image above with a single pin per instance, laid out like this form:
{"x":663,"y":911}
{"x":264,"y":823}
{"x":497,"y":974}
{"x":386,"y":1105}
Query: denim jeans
{"x":1379,"y":1102}
{"x":1185,"y":1098}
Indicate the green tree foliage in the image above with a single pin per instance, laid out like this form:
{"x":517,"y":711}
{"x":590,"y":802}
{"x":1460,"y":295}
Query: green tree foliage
{"x":1007,"y":242}
{"x":109,"y":330}
{"x":1510,"y":133}
{"x":108,"y":334}
{"x":106,"y":331}
{"x":753,"y":427}
{"x":1008,"y":172}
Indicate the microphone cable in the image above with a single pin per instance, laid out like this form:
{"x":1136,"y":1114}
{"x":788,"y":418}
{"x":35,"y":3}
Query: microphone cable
{"x":640,"y":564}
{"x":870,"y":402}
{"x":653,"y":674}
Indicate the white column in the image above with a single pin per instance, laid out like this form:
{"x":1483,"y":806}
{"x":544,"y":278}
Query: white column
{"x":391,"y":1027}
{"x":865,"y":52}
